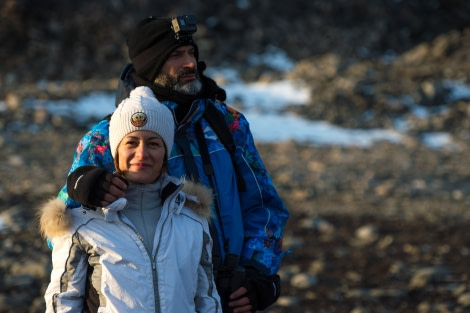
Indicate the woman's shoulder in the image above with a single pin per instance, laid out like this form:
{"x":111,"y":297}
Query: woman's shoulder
{"x":58,"y":219}
{"x":54,"y":220}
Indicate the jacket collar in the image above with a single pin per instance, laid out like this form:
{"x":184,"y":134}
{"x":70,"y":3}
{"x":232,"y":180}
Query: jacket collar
{"x":55,"y":218}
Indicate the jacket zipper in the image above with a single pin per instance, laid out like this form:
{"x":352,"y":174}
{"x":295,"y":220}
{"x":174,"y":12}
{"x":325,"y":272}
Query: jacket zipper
{"x":166,"y":205}
{"x":152,"y":258}
{"x":149,"y":253}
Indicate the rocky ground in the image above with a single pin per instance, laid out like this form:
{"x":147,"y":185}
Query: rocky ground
{"x":377,"y":229}
{"x":382,"y":229}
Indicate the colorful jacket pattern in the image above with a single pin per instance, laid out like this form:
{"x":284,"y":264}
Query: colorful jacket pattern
{"x":250,"y":225}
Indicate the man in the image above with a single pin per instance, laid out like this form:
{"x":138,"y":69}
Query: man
{"x":249,"y":216}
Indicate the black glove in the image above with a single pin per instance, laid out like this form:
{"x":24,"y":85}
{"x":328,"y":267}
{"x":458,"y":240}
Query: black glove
{"x":262,"y":290}
{"x":88,"y":185}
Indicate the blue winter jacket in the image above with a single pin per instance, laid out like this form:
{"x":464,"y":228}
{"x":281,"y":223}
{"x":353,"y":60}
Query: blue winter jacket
{"x":250,"y":224}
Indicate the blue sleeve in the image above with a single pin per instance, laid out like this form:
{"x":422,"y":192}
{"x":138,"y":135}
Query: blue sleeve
{"x":92,"y":149}
{"x":264,"y":213}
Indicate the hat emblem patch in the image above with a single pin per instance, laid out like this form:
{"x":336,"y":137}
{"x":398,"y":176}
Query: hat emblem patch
{"x":139,"y":119}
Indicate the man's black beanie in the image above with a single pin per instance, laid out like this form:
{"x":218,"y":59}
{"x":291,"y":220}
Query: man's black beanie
{"x":151,"y":43}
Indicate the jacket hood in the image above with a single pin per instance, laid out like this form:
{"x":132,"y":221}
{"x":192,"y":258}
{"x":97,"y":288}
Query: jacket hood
{"x":198,"y":198}
{"x":56,"y":220}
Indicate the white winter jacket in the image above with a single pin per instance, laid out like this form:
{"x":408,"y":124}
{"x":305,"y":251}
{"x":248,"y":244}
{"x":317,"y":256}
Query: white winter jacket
{"x":99,"y":250}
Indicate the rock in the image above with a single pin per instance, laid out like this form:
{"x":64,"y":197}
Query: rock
{"x":424,"y":277}
{"x":304,"y":281}
{"x":317,"y":224}
{"x":12,"y":220}
{"x":41,"y":116}
{"x":360,"y":310}
{"x":385,"y":242}
{"x":286,"y":301}
{"x":365,"y":235}
{"x":318,"y":266}
{"x":399,"y":269}
{"x":13,"y":101}
{"x":464,"y":300}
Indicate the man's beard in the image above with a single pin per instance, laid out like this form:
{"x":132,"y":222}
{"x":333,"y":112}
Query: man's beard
{"x":189,"y":88}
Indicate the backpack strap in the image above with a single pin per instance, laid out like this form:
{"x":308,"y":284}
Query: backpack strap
{"x":182,"y":141}
{"x":203,"y":150}
{"x":216,"y":120}
{"x":209,"y":171}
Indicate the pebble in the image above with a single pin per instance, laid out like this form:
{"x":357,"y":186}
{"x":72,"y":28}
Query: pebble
{"x":464,"y":300}
{"x":367,"y":233}
{"x":304,"y":280}
{"x":287,"y":301}
{"x":425,"y":276}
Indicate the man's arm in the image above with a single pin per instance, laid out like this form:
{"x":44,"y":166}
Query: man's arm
{"x":264,"y":219}
{"x":92,"y":149}
{"x":265,"y":214}
{"x":94,"y":186}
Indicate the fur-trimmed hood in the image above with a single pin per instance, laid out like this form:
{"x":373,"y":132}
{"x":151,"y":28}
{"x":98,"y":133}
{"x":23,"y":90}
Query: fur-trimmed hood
{"x":200,"y":198}
{"x":55,"y":219}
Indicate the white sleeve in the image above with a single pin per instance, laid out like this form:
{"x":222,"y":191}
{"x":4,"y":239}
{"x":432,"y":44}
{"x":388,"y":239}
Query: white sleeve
{"x":66,"y":289}
{"x":207,"y":298}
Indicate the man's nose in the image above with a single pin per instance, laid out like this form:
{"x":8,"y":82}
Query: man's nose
{"x":190,"y":61}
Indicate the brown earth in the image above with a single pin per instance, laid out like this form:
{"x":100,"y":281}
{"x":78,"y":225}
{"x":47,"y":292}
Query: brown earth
{"x":378,"y":229}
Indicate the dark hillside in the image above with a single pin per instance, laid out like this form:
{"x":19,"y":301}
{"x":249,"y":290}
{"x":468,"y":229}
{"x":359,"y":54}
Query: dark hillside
{"x":76,"y":40}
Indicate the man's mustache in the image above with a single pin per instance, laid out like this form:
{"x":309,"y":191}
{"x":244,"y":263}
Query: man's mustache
{"x":187,"y":72}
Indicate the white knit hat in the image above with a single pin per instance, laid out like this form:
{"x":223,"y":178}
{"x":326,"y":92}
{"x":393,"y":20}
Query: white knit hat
{"x":141,"y":111}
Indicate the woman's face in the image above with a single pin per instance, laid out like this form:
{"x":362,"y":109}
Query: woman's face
{"x":140,"y":156}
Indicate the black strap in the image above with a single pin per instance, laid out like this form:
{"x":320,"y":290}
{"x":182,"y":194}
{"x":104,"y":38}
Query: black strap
{"x":217,"y":121}
{"x":201,"y":140}
{"x":209,"y":171}
{"x":216,"y":255}
{"x":183,"y":143}
{"x":168,"y":190}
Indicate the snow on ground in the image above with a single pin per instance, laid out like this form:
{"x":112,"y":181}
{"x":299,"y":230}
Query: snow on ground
{"x":262,"y":104}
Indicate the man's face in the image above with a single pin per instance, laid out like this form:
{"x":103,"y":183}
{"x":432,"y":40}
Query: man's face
{"x":179,"y":72}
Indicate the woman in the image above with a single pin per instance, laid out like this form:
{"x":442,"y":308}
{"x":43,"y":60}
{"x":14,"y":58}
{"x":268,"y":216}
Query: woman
{"x":147,"y":252}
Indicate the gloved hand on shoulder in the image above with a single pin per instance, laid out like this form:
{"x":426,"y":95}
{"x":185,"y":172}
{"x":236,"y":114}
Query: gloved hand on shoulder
{"x":263,"y":290}
{"x":88,"y":185}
